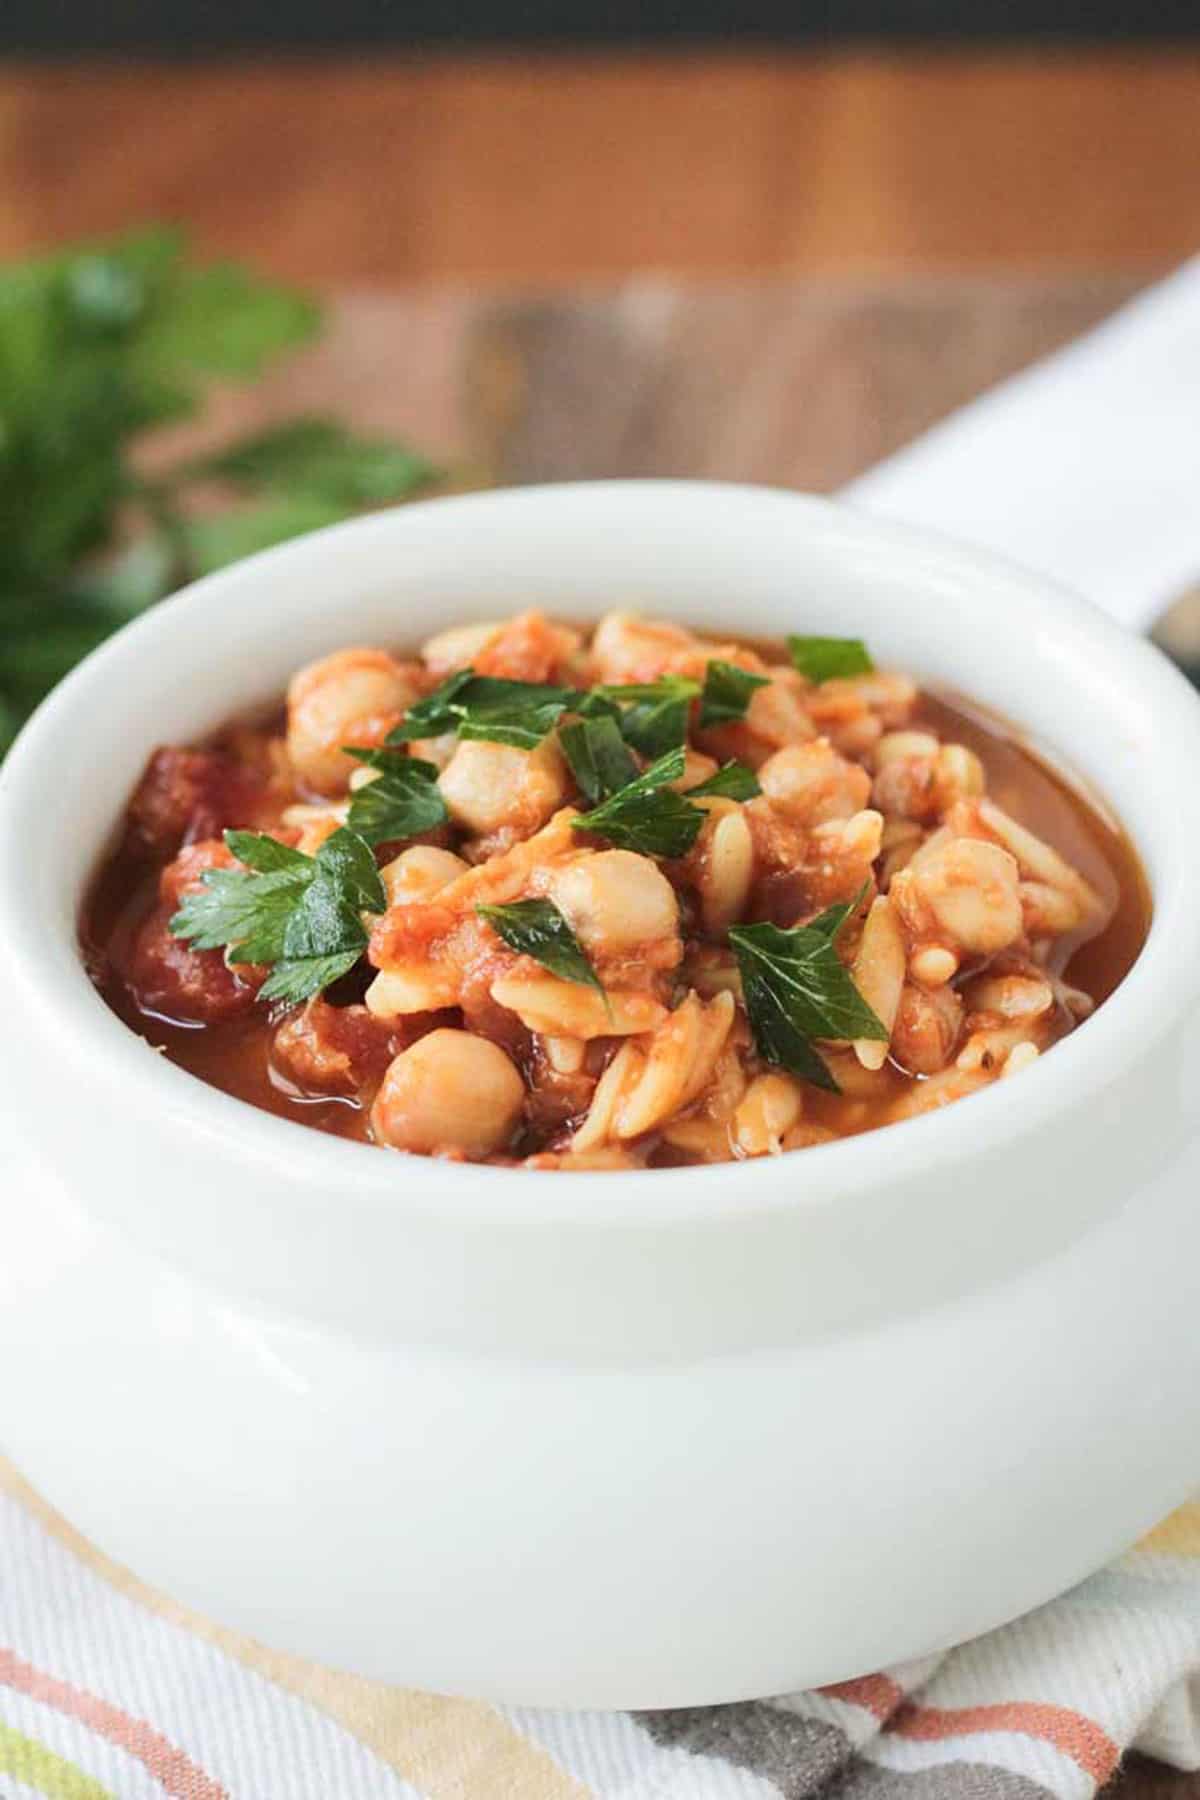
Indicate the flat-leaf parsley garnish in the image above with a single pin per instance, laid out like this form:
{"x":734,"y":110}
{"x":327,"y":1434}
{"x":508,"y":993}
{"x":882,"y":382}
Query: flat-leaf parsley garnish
{"x":403,"y":801}
{"x":600,"y":759}
{"x":732,"y":781}
{"x":301,"y":913}
{"x":483,"y":706}
{"x":798,"y":990}
{"x":823,"y":658}
{"x":647,"y":815}
{"x":727,"y":693}
{"x":538,"y":929}
{"x":653,"y":715}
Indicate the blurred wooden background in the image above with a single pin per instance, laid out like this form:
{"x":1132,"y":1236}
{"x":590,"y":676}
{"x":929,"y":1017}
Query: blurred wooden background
{"x":549,"y":168}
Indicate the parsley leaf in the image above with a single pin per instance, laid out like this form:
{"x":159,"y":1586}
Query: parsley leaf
{"x":830,"y":922}
{"x":483,"y":706}
{"x":598,"y":756}
{"x":219,"y":538}
{"x":100,"y":344}
{"x":653,"y":715}
{"x":301,"y":913}
{"x":346,"y":859}
{"x":727,"y":692}
{"x":536,"y":928}
{"x":797,"y":989}
{"x":823,"y":658}
{"x":403,"y":801}
{"x":248,"y":911}
{"x":320,"y":459}
{"x":265,"y":855}
{"x":733,"y":781}
{"x":221,"y":320}
{"x":646,"y":815}
{"x":437,"y":712}
{"x":301,"y":977}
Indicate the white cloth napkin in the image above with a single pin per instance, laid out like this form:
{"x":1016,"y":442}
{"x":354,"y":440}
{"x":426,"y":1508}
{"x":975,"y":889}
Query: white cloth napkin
{"x":1086,"y":466}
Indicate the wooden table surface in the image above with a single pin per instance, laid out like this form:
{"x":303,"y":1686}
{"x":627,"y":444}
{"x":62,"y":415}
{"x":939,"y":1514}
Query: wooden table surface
{"x":547,"y":168}
{"x":943,"y":210}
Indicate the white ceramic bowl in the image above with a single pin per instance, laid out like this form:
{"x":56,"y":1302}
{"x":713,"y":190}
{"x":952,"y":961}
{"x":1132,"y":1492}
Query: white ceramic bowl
{"x":646,"y":1439}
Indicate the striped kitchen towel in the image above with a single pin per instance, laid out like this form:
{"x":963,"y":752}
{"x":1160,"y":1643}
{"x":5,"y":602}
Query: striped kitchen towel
{"x":108,"y":1692}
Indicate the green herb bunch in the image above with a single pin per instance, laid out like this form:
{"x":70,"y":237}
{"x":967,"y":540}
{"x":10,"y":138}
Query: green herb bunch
{"x":99,"y":346}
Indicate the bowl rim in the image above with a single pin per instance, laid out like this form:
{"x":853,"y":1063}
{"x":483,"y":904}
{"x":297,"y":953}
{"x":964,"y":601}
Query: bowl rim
{"x":1140,"y":1011}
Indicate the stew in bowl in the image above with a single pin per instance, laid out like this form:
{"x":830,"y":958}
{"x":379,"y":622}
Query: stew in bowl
{"x":619,"y":898}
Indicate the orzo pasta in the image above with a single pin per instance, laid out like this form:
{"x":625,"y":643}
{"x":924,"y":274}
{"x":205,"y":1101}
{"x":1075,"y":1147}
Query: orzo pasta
{"x":610,"y":900}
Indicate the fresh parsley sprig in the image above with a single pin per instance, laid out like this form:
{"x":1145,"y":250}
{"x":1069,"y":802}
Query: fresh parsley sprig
{"x":823,"y":658}
{"x":100,"y":345}
{"x":403,"y":801}
{"x":727,"y":693}
{"x":303,"y":914}
{"x":483,"y":706}
{"x":798,"y":990}
{"x":650,"y":717}
{"x":732,"y":781}
{"x":653,"y":715}
{"x":598,"y":756}
{"x":538,"y":929}
{"x":647,"y":815}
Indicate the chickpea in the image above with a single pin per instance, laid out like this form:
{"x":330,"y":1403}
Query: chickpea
{"x":329,"y":699}
{"x":902,"y":745}
{"x":450,"y":1090}
{"x":960,"y":774}
{"x":419,"y":873}
{"x":487,"y":786}
{"x":314,"y":824}
{"x":615,"y":901}
{"x":696,"y":768}
{"x":628,"y":648}
{"x":906,"y":787}
{"x":776,"y":714}
{"x":971,"y":890}
{"x":458,"y":646}
{"x":812,"y":784}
